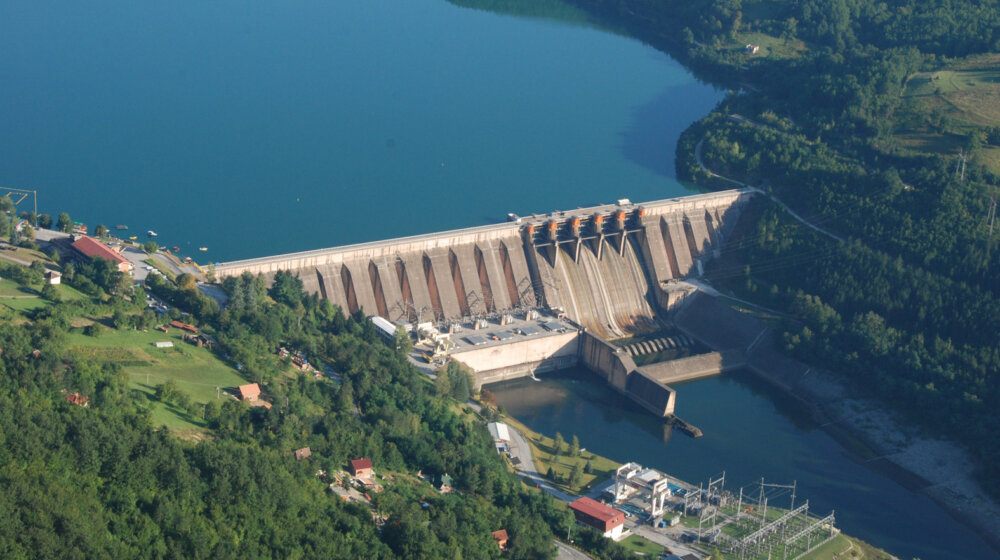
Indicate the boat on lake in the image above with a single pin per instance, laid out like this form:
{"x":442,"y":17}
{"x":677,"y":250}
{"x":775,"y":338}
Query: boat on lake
{"x":151,"y":233}
{"x":121,"y":226}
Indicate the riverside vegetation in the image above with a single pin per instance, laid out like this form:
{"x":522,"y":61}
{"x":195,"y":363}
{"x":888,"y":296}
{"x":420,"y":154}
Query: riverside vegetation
{"x":878,"y":123}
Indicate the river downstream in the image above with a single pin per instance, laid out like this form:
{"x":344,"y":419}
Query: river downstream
{"x":751,"y":431}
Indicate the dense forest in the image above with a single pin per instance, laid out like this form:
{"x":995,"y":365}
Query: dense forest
{"x":902,"y":298}
{"x":105,"y":481}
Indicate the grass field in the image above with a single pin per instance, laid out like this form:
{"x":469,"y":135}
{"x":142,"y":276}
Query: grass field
{"x":942,"y":107}
{"x":635,"y":543}
{"x":542,"y":451}
{"x":195,"y":371}
{"x":770,"y":46}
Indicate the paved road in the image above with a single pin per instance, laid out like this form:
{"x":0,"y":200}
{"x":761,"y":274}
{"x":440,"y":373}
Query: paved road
{"x":697,"y":156}
{"x":567,"y":552}
{"x":6,"y":255}
{"x":525,"y":465}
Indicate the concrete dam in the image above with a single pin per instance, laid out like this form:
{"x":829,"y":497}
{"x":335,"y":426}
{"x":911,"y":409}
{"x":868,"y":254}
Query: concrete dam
{"x":611,"y":270}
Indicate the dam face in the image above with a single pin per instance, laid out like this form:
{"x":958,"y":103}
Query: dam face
{"x":604,"y":267}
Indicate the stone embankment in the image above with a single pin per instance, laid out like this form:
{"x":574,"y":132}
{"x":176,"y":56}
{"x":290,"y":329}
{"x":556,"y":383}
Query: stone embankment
{"x":941,"y":469}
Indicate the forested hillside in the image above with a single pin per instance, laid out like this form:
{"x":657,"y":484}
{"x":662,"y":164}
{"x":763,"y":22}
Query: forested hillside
{"x":874,"y":121}
{"x":106,"y":481}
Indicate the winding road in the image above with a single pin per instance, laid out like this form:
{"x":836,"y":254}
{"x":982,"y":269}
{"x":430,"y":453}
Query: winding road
{"x":701,"y":164}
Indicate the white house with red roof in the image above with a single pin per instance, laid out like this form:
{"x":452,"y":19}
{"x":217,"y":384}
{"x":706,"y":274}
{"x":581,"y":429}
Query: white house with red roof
{"x":592,"y":513}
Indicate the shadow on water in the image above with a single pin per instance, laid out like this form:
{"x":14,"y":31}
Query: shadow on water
{"x":548,"y":10}
{"x":651,"y":138}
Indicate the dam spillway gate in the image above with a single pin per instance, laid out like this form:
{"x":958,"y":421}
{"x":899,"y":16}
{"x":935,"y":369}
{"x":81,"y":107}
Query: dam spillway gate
{"x":611,"y":270}
{"x":603,"y":266}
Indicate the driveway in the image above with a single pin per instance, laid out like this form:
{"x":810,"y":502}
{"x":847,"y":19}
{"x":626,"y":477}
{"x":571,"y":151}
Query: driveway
{"x":520,"y":453}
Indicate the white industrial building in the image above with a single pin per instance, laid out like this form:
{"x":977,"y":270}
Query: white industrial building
{"x":501,"y":436}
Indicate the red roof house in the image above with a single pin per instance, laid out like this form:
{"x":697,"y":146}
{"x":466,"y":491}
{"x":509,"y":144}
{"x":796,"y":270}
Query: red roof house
{"x":501,"y":538}
{"x":249,"y":392}
{"x":605,"y":519}
{"x":361,"y":468}
{"x":92,"y":248}
{"x":78,"y":399}
{"x":303,"y":453}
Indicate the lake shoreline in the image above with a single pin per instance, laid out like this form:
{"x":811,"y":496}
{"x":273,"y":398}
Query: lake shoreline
{"x":894,"y":448}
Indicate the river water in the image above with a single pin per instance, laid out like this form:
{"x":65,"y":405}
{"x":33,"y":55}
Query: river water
{"x":751,"y":431}
{"x":254,"y":128}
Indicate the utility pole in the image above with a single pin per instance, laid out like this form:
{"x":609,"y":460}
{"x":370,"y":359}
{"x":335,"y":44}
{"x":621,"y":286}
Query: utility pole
{"x":993,"y":212}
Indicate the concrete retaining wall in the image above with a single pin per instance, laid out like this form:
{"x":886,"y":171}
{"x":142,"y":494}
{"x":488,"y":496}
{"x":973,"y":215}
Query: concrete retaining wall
{"x":521,"y":358}
{"x":694,"y":367}
{"x":611,"y":362}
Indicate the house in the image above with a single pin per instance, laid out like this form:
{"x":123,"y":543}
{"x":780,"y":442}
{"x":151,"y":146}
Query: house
{"x":90,"y":248}
{"x":446,"y":484}
{"x":752,"y":49}
{"x":592,"y":513}
{"x":501,"y":538}
{"x":249,"y":392}
{"x":53,"y":277}
{"x":78,"y":400}
{"x":303,"y":453}
{"x":361,"y":468}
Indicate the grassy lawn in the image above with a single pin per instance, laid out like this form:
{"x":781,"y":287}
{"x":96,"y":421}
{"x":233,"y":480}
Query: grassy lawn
{"x":635,"y":543}
{"x":942,"y":107}
{"x":542,"y":448}
{"x":195,"y":371}
{"x":24,"y":304}
{"x":9,"y":288}
{"x":770,"y":46}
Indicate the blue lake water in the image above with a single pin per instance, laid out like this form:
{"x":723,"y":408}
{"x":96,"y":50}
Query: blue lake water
{"x":254,"y":128}
{"x":261,"y":127}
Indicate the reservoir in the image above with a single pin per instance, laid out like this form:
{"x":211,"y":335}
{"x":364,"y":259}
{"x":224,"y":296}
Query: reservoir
{"x":751,"y":431}
{"x":255,"y":128}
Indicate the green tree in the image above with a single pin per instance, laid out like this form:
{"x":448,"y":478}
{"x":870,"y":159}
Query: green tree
{"x":574,"y":447}
{"x":576,"y":475}
{"x":442,"y":385}
{"x":50,"y":293}
{"x":559,"y":444}
{"x":64,"y":223}
{"x":150,"y":247}
{"x":120,"y":320}
{"x":45,"y":221}
{"x":589,"y":467}
{"x":187,"y":282}
{"x":101,"y":231}
{"x":286,"y":288}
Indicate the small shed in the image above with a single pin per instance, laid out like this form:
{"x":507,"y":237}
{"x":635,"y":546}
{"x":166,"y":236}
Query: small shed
{"x":53,"y":277}
{"x":164,"y":344}
{"x":303,"y":453}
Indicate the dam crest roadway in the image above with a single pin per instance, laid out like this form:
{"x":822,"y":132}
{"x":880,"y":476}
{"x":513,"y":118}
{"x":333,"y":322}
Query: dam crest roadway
{"x":611,"y":271}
